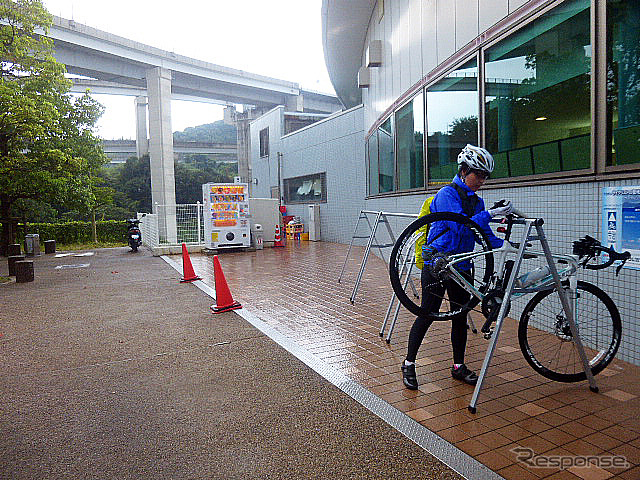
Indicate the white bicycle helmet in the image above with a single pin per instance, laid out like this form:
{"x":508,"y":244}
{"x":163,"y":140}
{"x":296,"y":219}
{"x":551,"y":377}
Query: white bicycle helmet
{"x":477,"y":158}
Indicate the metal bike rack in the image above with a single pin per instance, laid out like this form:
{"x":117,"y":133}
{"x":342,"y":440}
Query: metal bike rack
{"x":408,"y":264}
{"x":568,"y":309}
{"x":381,"y":217}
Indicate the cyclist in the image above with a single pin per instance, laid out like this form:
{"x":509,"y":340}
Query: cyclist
{"x":475,"y":164}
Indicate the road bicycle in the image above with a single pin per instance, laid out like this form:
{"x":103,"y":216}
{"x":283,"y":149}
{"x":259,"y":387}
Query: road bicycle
{"x":559,"y":335}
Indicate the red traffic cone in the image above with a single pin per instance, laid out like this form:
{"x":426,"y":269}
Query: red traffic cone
{"x":188,"y":274}
{"x":277,"y":239}
{"x":224,"y":300}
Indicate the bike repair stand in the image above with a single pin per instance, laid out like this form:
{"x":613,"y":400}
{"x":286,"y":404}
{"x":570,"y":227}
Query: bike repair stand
{"x":568,"y":309}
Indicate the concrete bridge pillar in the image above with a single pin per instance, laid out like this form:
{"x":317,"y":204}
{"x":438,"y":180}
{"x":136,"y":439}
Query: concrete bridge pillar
{"x":163,"y":185}
{"x":142,"y":140}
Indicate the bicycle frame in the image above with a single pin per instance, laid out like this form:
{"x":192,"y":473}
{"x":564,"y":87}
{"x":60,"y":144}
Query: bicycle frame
{"x":544,"y":283}
{"x":568,"y":299}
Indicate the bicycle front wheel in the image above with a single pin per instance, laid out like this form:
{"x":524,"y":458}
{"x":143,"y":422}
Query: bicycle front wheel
{"x":546,"y":340}
{"x":405,"y":274}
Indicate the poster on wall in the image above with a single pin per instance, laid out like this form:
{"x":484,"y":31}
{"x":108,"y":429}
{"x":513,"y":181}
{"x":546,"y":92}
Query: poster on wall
{"x":621,"y":221}
{"x":226,"y":214}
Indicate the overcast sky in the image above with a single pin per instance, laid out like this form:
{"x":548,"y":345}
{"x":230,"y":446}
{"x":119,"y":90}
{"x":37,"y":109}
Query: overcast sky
{"x":278,"y":38}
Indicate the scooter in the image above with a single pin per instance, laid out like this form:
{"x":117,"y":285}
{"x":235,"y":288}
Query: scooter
{"x":134,"y":236}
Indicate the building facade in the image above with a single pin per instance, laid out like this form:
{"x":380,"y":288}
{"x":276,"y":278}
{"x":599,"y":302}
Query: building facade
{"x":551,"y":88}
{"x":320,"y":163}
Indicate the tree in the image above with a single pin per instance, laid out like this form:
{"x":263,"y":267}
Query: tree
{"x":131,"y":183}
{"x":189,"y":180}
{"x":48,"y":150}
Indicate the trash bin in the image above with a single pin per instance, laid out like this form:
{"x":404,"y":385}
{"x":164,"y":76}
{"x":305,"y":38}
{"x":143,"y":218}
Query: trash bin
{"x":32,"y":244}
{"x":14,"y":249}
{"x":258,"y":236}
{"x":49,"y":246}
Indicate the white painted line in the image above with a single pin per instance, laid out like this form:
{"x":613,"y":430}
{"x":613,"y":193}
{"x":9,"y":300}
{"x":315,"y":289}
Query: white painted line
{"x":444,"y":451}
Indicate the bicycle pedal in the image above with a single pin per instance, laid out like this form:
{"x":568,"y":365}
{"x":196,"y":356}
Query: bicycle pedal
{"x":487,"y":335}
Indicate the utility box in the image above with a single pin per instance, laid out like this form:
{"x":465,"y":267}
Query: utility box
{"x":258,"y":236}
{"x":266,"y":212}
{"x":314,"y":223}
{"x":32,"y":244}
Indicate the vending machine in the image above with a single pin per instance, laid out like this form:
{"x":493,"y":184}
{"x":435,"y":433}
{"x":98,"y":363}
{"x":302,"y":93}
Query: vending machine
{"x":226,"y":215}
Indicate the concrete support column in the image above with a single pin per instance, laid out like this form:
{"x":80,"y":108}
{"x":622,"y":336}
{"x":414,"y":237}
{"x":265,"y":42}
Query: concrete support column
{"x":243,"y":143}
{"x":163,"y":185}
{"x":142,"y":141}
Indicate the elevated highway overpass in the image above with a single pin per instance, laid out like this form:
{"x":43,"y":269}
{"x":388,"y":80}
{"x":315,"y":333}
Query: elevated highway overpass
{"x":119,"y":151}
{"x":118,"y":65}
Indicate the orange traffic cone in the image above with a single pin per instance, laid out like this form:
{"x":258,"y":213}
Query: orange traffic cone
{"x":277,"y":239}
{"x":224,"y":300}
{"x":188,"y":274}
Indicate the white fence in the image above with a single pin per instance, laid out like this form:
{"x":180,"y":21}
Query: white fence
{"x":172,"y":225}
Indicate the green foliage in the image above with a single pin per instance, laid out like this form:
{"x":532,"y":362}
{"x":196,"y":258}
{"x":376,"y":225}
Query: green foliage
{"x":216,"y":132}
{"x":48,"y":150}
{"x":109,"y":231}
{"x":131,"y":183}
{"x":189,"y":179}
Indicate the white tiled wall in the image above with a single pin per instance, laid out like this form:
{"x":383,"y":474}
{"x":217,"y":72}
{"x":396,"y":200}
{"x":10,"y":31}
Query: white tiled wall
{"x":334,"y":146}
{"x":570,"y":212}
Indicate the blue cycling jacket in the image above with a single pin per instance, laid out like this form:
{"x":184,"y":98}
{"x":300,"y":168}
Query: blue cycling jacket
{"x":458,"y":239}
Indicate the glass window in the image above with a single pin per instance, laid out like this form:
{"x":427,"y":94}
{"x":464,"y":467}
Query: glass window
{"x":372,"y":150}
{"x":409,"y":141}
{"x":264,"y":142}
{"x":306,"y":189}
{"x":452,"y":121}
{"x":537,"y":95}
{"x":386,"y":160}
{"x":623,"y":81}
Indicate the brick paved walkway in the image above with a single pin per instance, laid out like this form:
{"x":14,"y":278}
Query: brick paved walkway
{"x":295,"y":290}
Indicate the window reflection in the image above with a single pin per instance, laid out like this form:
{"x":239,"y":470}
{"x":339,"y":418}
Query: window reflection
{"x":386,"y":157}
{"x":306,"y":189}
{"x":410,"y":137}
{"x":537,"y":99}
{"x":452,"y":121}
{"x":372,"y":150}
{"x":623,"y":85}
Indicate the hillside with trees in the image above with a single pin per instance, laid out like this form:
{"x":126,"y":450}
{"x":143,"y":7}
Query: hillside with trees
{"x":216,"y":132}
{"x":52,"y":165}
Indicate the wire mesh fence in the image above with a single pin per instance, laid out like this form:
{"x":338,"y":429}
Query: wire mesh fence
{"x":173,"y":225}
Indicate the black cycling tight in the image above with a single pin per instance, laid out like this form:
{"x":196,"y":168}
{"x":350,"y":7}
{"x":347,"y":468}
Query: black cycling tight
{"x":431,"y":299}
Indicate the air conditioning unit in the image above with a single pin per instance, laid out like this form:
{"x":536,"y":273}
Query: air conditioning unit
{"x":373,"y":55}
{"x":364,"y":77}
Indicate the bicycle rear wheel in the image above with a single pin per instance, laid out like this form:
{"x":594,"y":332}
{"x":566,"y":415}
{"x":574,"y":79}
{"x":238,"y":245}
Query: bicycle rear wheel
{"x":405,"y":275}
{"x":546,"y":340}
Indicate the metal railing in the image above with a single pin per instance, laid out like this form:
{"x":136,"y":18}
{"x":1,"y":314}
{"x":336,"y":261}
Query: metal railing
{"x":172,"y":225}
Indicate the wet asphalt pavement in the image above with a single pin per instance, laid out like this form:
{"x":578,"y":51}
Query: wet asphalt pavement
{"x":116,"y":370}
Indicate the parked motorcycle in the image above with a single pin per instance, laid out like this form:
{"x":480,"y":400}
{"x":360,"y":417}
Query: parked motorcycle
{"x":134,"y":235}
